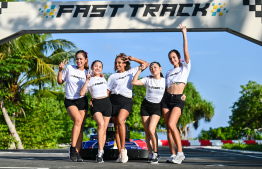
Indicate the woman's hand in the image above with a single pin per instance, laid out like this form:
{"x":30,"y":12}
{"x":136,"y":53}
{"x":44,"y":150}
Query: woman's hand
{"x":143,"y":66}
{"x":183,"y":97}
{"x":131,"y":58}
{"x":88,"y":75}
{"x":102,"y":75}
{"x":62,"y":65}
{"x":91,"y":102}
{"x":183,"y":28}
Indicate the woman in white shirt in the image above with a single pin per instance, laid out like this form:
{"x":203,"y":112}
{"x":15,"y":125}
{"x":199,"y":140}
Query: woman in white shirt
{"x":172,"y":104}
{"x":151,"y":106}
{"x":101,"y":108}
{"x":76,"y":105}
{"x":120,"y":87}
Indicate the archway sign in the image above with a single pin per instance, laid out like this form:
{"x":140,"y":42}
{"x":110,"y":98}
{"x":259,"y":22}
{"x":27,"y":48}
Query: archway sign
{"x":239,"y":17}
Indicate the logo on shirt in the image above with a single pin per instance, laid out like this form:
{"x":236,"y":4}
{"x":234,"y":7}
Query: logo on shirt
{"x":79,"y":78}
{"x":152,"y":87}
{"x":122,"y":77}
{"x":100,"y":83}
{"x":174,"y":74}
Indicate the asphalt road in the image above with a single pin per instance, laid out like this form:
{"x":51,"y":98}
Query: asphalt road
{"x":196,"y":157}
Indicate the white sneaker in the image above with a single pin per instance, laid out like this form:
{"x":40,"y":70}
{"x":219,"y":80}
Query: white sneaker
{"x":150,"y":156}
{"x":155,"y":158}
{"x":119,"y":158}
{"x":124,"y":156}
{"x":170,"y":159}
{"x":178,"y":159}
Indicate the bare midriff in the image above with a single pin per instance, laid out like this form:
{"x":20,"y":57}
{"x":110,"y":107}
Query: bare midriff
{"x":176,"y":88}
{"x":99,"y":97}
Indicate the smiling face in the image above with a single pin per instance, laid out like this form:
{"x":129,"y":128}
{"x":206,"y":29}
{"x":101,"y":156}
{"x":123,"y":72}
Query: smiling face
{"x":97,"y":68}
{"x":174,"y":59}
{"x":155,"y":69}
{"x":120,"y":64}
{"x":80,"y":60}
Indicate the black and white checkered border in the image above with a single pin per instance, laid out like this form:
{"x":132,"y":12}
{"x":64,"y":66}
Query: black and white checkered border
{"x":254,"y":6}
{"x":3,"y":5}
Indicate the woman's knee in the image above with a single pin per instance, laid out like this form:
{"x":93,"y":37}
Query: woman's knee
{"x":100,"y":125}
{"x":121,"y":122}
{"x":78,"y":121}
{"x":172,"y":126}
{"x":152,"y":130}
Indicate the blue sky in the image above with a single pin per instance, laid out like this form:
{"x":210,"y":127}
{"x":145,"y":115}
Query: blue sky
{"x":221,"y":62}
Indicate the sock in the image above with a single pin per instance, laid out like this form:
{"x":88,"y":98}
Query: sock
{"x":72,"y":149}
{"x":100,"y":153}
{"x":180,"y":153}
{"x":156,"y":152}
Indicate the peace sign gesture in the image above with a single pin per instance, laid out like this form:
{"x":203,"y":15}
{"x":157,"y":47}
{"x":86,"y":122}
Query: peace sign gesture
{"x":62,"y":65}
{"x":183,"y":28}
{"x":88,"y":75}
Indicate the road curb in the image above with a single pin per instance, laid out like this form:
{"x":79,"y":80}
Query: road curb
{"x":209,"y":142}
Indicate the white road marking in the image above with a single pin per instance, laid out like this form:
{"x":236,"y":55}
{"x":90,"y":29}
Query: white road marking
{"x":25,"y":167}
{"x":239,"y":154}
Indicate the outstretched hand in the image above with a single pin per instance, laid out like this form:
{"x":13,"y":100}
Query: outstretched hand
{"x":183,"y":28}
{"x":62,"y":65}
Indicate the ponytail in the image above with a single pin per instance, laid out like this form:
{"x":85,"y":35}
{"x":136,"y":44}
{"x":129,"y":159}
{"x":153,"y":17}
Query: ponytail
{"x":161,"y":74}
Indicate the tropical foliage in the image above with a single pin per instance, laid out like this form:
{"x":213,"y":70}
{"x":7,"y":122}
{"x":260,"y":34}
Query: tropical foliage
{"x":28,"y":62}
{"x":245,"y":121}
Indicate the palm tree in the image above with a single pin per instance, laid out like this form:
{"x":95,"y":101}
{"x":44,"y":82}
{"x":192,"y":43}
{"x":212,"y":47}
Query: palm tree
{"x":195,"y":109}
{"x":43,"y":55}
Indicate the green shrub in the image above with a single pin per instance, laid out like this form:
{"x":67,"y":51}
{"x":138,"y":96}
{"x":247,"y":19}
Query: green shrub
{"x":239,"y":146}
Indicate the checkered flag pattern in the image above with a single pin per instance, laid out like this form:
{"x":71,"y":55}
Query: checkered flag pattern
{"x":2,"y":6}
{"x":254,"y":5}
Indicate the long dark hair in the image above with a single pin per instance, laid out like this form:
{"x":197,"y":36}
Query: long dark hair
{"x":178,"y":55}
{"x":128,"y":66}
{"x":86,"y":66}
{"x":151,"y":64}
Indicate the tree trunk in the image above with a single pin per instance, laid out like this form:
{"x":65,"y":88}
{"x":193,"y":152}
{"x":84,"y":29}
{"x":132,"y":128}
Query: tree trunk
{"x":11,"y":126}
{"x":12,"y":146}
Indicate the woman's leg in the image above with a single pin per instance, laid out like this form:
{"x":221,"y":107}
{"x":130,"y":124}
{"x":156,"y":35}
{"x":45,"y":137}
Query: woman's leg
{"x":115,"y":121}
{"x":106,"y":121}
{"x":100,"y":129}
{"x":172,"y":123}
{"x":152,"y":130}
{"x":123,"y":113}
{"x":80,"y":138}
{"x":145,"y":121}
{"x":78,"y":118}
{"x":172,"y":145}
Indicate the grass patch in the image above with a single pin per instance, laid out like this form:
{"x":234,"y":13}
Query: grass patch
{"x":239,"y":146}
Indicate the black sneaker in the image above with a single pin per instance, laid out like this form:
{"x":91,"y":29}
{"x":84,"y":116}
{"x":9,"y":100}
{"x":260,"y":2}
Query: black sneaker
{"x":72,"y":154}
{"x":79,"y":159}
{"x":150,"y":156}
{"x":99,"y":159}
{"x":155,"y":158}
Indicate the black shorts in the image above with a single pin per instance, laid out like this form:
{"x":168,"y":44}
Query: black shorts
{"x":170,"y":101}
{"x":120,"y":102}
{"x":81,"y":103}
{"x":148,"y":108}
{"x":102,"y":105}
